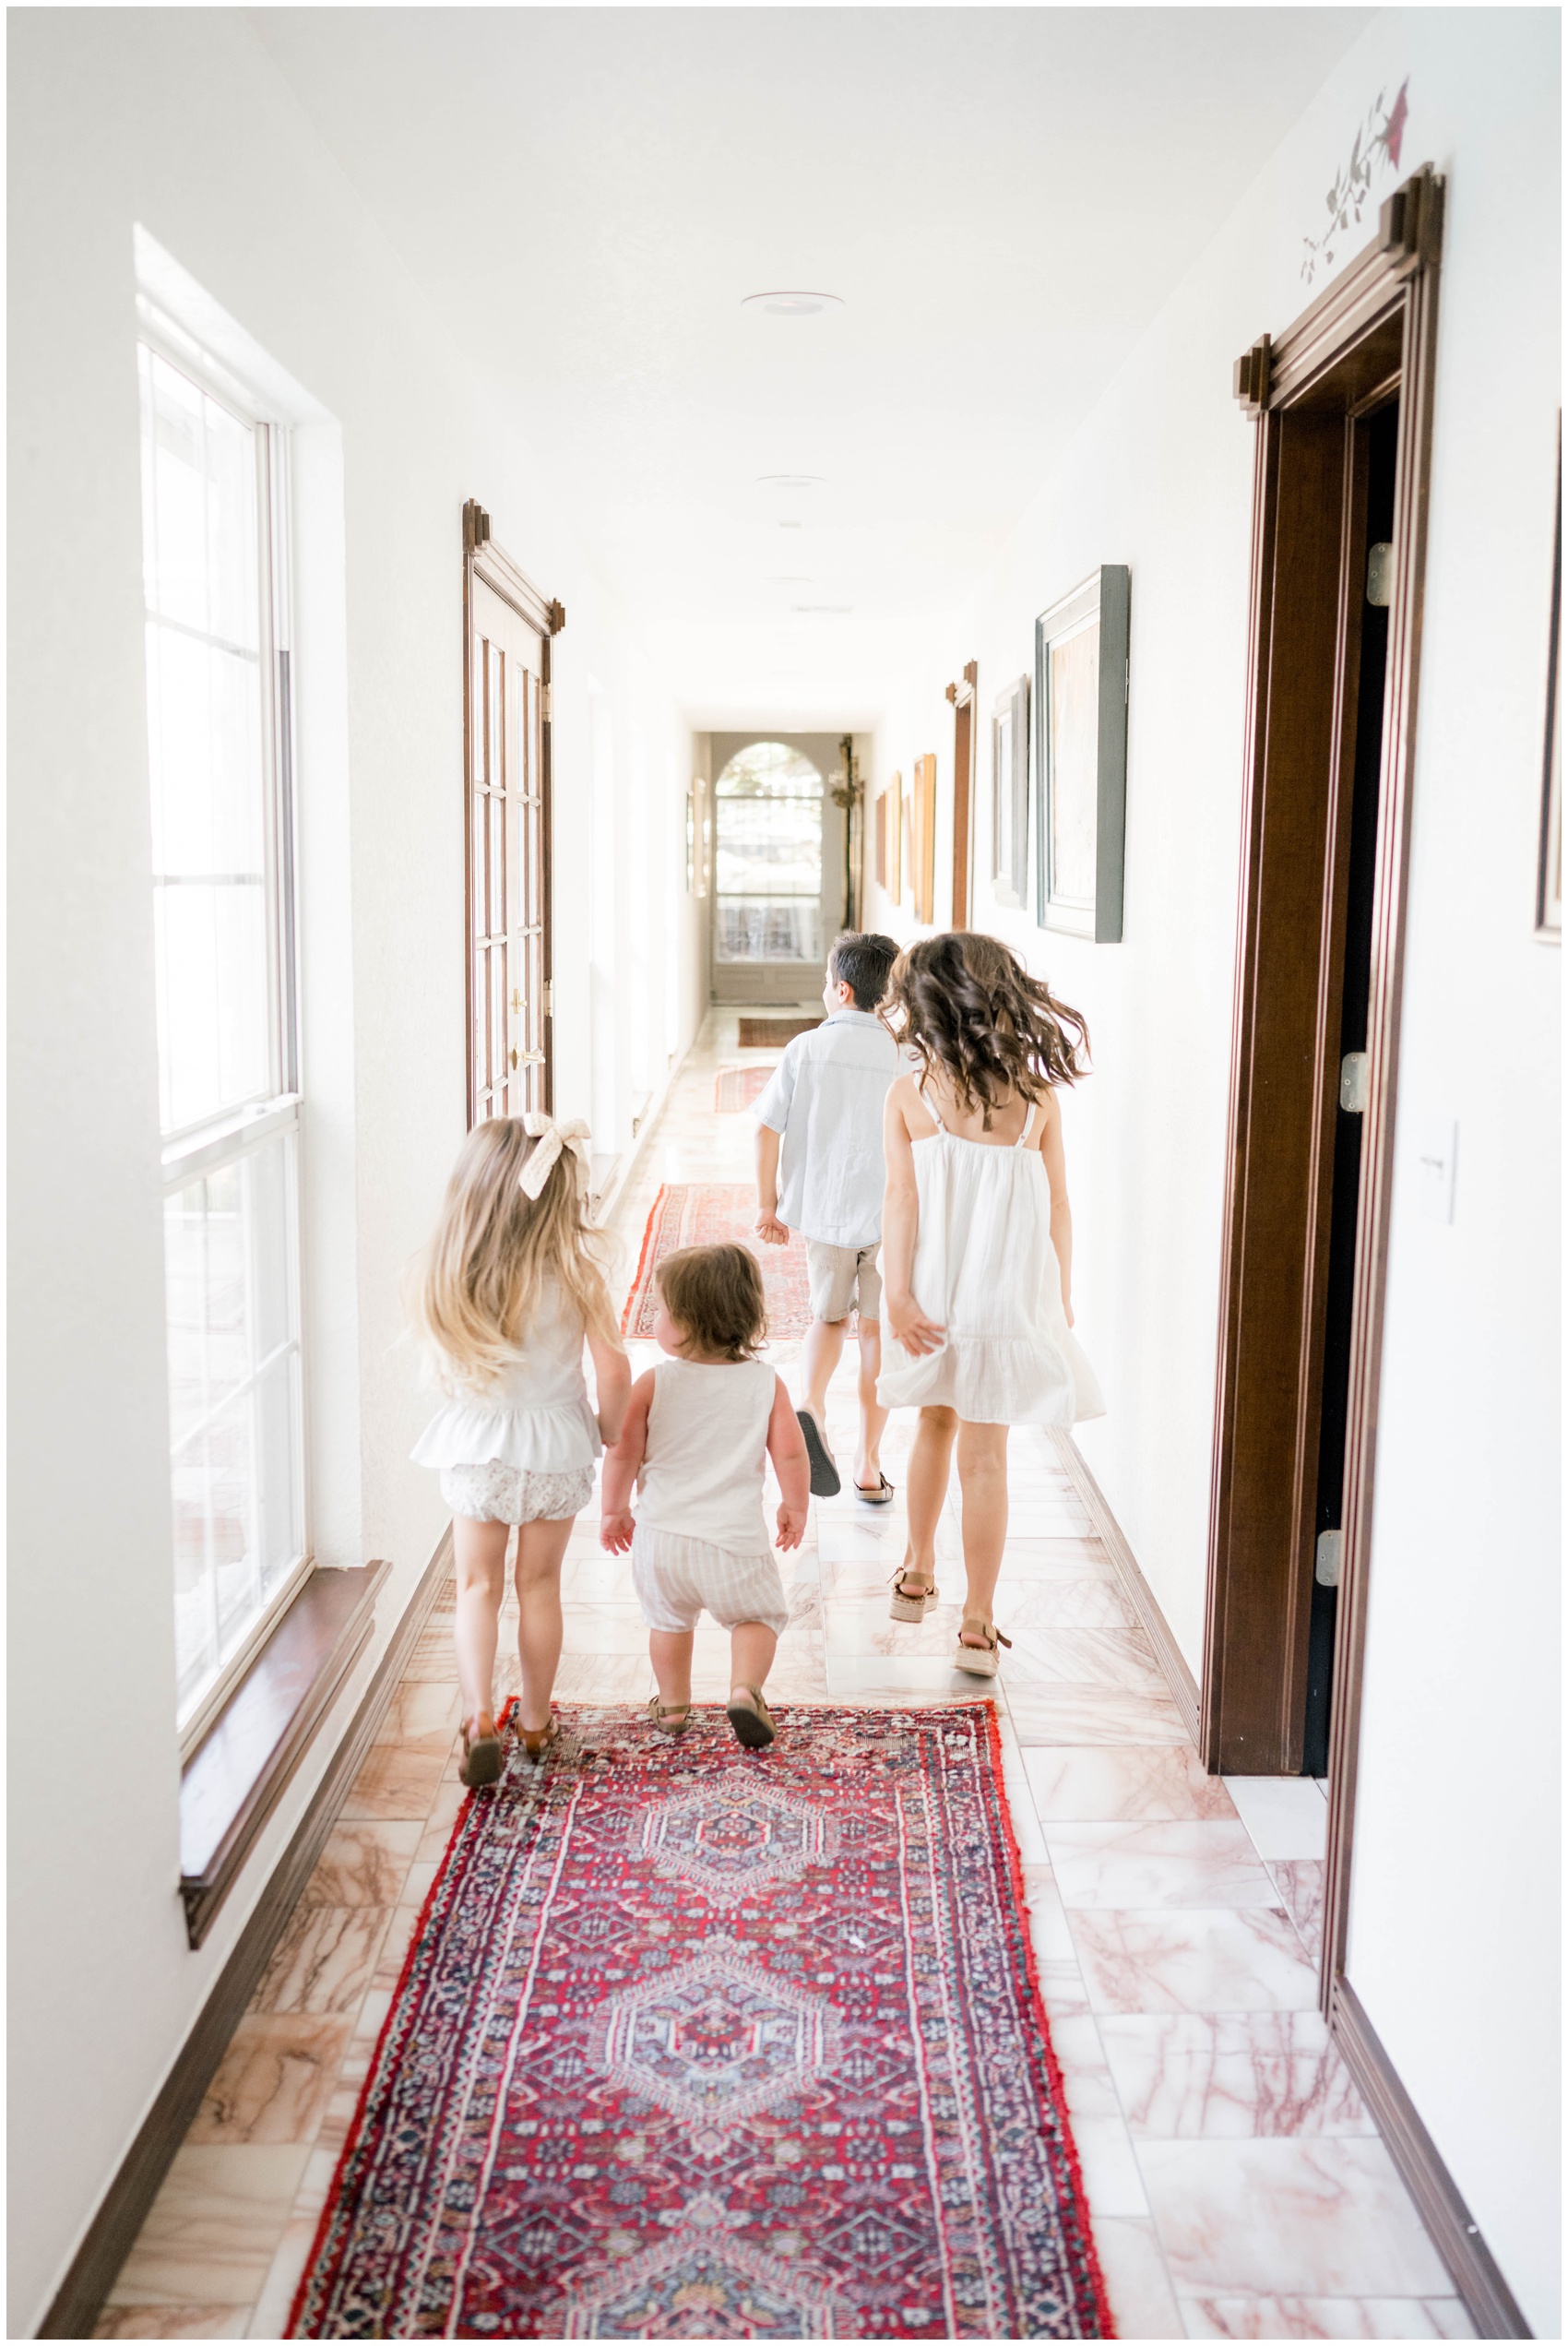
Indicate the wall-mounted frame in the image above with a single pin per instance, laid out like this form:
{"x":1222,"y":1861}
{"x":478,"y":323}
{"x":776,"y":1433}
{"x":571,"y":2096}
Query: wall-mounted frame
{"x":1010,"y":793}
{"x":1549,"y":877}
{"x":1081,"y":691}
{"x":922,"y":838}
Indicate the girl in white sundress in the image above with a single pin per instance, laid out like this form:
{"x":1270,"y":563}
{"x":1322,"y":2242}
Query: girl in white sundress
{"x":507,"y":1292}
{"x":977,"y":1250}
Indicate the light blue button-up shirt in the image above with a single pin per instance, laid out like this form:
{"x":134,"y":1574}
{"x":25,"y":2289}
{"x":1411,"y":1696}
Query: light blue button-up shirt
{"x":827,"y":1100}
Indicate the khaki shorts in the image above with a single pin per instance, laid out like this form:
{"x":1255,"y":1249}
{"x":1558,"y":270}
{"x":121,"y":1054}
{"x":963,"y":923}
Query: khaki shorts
{"x":843,"y":1280}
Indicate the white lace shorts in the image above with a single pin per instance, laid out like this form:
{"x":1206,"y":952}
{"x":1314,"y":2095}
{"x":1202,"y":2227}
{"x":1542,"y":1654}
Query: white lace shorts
{"x":676,"y":1579}
{"x":498,"y":1493}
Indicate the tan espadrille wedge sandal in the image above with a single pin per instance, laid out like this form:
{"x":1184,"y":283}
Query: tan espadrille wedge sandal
{"x":981,"y":1662}
{"x":907,"y":1603}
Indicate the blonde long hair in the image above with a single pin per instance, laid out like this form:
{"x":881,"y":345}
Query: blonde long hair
{"x":476,"y":1289}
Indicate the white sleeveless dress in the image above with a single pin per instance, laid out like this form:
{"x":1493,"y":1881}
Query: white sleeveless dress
{"x":986,"y":1270}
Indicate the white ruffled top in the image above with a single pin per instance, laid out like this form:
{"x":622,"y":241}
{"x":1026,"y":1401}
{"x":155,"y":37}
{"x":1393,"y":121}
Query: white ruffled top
{"x":536,"y":1415}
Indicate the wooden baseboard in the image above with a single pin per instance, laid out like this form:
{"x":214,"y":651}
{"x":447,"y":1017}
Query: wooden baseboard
{"x":1456,"y":2235}
{"x":124,"y":2208}
{"x":1145,"y":1603}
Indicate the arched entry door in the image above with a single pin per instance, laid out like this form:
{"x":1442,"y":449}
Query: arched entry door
{"x":777,"y":885}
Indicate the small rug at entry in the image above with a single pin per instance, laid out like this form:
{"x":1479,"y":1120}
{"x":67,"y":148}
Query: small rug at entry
{"x":738,"y":1087}
{"x":693,"y":2042}
{"x":704,"y":1214}
{"x":772,"y":1035}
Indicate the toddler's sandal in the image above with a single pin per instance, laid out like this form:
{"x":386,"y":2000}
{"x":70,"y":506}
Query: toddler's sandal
{"x":670,"y":1718}
{"x":981,"y":1662}
{"x":750,"y":1717}
{"x":480,"y":1763}
{"x":881,"y":1498}
{"x":910,"y":1604}
{"x":824,"y":1482}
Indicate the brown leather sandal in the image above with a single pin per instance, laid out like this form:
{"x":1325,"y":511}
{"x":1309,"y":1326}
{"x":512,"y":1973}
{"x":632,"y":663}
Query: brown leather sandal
{"x":670,"y":1718}
{"x":910,"y":1604}
{"x":981,"y":1662}
{"x":753,"y":1722}
{"x":536,"y":1741}
{"x":480,"y":1763}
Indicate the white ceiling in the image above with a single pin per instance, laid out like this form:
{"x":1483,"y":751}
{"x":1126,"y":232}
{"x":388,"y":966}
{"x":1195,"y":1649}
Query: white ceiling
{"x":1003,"y":198}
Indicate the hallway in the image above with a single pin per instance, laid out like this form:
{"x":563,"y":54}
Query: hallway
{"x":1237,"y":2187}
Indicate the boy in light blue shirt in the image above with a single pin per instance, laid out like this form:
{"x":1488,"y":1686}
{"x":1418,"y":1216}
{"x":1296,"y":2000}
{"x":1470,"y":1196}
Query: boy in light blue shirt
{"x":819,"y":1170}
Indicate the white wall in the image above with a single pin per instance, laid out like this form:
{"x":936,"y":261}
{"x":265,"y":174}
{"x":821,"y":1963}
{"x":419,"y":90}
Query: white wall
{"x":1454,"y":1934}
{"x":178,"y":121}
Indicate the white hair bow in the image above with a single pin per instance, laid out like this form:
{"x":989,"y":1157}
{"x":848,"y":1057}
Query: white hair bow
{"x":552,"y":1139}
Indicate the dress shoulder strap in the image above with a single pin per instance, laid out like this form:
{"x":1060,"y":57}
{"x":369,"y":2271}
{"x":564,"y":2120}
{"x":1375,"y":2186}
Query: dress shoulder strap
{"x":1023,"y":1139}
{"x":925,"y":1104}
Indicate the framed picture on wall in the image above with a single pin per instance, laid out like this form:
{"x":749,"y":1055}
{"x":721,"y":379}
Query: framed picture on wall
{"x":1081,"y":690}
{"x":905,"y":864}
{"x":699,"y":837}
{"x":1010,"y":793}
{"x":922,"y":838}
{"x":1548,"y":879}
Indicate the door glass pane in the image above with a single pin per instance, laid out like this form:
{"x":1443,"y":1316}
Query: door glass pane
{"x":234,"y":1384}
{"x":769,"y":857}
{"x":206,"y":748}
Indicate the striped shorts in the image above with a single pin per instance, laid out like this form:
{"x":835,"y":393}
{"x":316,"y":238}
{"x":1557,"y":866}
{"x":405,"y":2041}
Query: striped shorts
{"x":676,"y":1579}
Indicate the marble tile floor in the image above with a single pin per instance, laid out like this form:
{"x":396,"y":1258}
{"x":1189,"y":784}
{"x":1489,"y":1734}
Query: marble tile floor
{"x":1237,"y":2186}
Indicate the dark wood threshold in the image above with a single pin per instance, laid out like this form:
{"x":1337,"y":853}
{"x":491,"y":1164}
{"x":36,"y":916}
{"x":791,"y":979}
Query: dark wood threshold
{"x":124,"y":2208}
{"x":237,"y":1774}
{"x":1456,"y":2235}
{"x":1145,"y":1603}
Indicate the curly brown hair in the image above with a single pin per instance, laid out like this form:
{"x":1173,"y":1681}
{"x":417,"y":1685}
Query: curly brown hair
{"x":970,"y":1008}
{"x":714,"y":1293}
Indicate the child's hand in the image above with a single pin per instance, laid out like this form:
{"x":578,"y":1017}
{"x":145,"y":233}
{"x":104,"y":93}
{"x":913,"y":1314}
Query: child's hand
{"x":910,"y":1325}
{"x":770,"y":1229}
{"x":791,"y":1526}
{"x":615,"y":1531}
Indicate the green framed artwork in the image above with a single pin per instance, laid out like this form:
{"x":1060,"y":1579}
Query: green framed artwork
{"x":1081,"y":680}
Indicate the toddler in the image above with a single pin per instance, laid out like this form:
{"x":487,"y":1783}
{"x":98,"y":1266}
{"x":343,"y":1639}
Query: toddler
{"x":977,"y":1239}
{"x":695,"y":1435}
{"x":507,"y":1291}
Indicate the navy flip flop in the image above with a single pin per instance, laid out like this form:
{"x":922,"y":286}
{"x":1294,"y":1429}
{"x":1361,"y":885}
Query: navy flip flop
{"x":825,"y":1474}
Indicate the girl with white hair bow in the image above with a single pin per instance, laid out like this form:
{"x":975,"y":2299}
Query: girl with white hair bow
{"x":506,"y":1294}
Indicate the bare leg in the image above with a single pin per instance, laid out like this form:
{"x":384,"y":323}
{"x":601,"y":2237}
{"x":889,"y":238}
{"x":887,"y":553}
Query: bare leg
{"x":480,"y":1554}
{"x":874,"y":1417}
{"x":752,"y":1648}
{"x":819,"y":1358}
{"x":982,"y":1479}
{"x":930,"y":1461}
{"x":670,"y":1650}
{"x":540,"y":1547}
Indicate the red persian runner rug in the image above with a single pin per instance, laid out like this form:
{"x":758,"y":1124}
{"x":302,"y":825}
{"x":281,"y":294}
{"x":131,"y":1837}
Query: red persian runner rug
{"x":693,"y":2042}
{"x":772,"y":1035}
{"x":709,"y":1214}
{"x":738,"y":1087}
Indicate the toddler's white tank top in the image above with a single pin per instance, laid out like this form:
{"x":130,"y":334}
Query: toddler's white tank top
{"x":706,"y":1443}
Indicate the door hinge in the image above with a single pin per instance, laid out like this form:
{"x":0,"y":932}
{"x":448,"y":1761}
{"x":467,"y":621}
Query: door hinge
{"x":1330,"y":1546}
{"x":1354,"y":1086}
{"x":550,"y":997}
{"x":1127,"y":682}
{"x":544,"y":702}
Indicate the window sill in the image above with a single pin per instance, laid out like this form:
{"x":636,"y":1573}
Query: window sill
{"x":234,"y":1779}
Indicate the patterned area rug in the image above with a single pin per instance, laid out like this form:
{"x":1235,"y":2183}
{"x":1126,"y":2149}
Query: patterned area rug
{"x":772,"y":1035}
{"x":697,"y":2043}
{"x":738,"y":1087}
{"x":709,"y":1214}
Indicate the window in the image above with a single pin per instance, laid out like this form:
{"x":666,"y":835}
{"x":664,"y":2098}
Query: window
{"x":222,"y":870}
{"x":768,"y":865}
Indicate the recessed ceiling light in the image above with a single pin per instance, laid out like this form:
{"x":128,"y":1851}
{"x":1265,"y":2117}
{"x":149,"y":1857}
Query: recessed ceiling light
{"x":793,"y":304}
{"x":834,"y":610}
{"x":792,"y":580}
{"x":790,"y":480}
{"x":790,"y":525}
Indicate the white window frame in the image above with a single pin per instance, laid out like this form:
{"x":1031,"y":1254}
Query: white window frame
{"x":216,"y":1142}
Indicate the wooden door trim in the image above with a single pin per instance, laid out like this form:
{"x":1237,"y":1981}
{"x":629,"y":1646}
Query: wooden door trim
{"x":965,"y":701}
{"x":1345,"y":335}
{"x":483,"y":560}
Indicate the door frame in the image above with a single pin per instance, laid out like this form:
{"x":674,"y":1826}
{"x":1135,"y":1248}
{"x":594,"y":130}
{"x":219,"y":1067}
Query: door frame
{"x":1303,"y":635}
{"x":483,"y":560}
{"x":965,"y":705}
